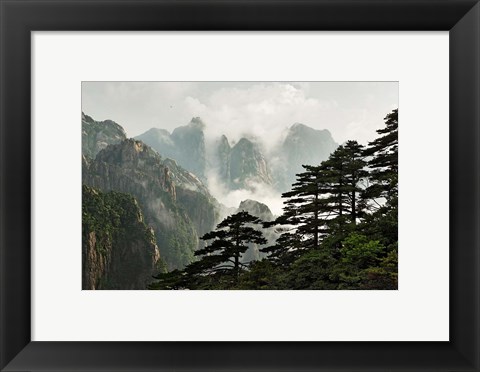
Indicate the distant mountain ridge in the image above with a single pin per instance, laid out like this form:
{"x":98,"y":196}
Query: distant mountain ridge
{"x":245,"y":164}
{"x":186,"y":145}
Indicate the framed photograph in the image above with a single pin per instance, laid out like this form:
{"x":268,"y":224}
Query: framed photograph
{"x":270,"y":185}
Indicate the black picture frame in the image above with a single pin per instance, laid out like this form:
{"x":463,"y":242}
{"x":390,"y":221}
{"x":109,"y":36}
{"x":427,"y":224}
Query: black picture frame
{"x":18,"y":18}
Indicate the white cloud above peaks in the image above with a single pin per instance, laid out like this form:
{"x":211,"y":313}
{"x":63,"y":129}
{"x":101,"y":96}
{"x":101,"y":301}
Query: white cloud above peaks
{"x":265,"y":109}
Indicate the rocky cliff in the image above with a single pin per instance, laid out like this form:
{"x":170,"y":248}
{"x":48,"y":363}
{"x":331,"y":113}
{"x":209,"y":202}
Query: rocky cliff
{"x":257,"y":209}
{"x":248,"y":166}
{"x":96,"y":135}
{"x":186,"y":145}
{"x":222,"y":157}
{"x":302,"y":145}
{"x":245,"y":165}
{"x":193,"y":196}
{"x":175,"y":202}
{"x":119,"y":251}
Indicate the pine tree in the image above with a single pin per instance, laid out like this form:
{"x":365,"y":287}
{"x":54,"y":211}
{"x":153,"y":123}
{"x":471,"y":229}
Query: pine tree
{"x":219,"y":265}
{"x":345,"y":170}
{"x":383,"y":163}
{"x":304,"y":208}
{"x":230,"y":241}
{"x":324,"y":198}
{"x":286,"y":249}
{"x":301,"y":218}
{"x":221,"y":258}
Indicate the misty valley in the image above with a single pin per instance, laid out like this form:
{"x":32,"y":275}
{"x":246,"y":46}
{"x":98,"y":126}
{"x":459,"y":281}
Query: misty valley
{"x":182,"y":211}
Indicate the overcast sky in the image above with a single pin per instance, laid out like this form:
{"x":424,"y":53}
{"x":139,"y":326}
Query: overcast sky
{"x":350,"y":110}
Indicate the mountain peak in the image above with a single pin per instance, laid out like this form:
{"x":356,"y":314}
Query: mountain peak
{"x":197,"y":123}
{"x":158,"y":131}
{"x":97,"y":135}
{"x":298,"y":126}
{"x":86,"y":117}
{"x":257,"y":209}
{"x":303,"y":145}
{"x":304,"y":131}
{"x":129,"y":151}
{"x":248,"y":165}
{"x":244,"y":143}
{"x":301,"y":128}
{"x":186,"y":144}
{"x":223,"y":138}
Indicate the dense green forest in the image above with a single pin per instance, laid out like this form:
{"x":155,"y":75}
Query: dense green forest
{"x":338,"y":230}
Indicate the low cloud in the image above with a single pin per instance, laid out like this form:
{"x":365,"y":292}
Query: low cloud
{"x":263,"y":109}
{"x":256,"y":191}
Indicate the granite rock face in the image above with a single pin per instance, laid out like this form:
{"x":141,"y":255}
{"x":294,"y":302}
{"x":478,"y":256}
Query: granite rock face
{"x":175,"y":203}
{"x":248,"y":166}
{"x":242,"y":166}
{"x":257,"y":209}
{"x":97,"y":135}
{"x":186,"y":145}
{"x":302,"y":145}
{"x":119,"y":250}
{"x":245,"y":164}
{"x":222,"y":158}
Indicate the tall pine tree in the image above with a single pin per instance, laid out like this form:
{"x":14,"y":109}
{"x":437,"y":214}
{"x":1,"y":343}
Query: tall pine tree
{"x":220,"y":265}
{"x":229,"y":241}
{"x":383,"y":163}
{"x":345,"y":171}
{"x":323,"y":199}
{"x":305,"y":209}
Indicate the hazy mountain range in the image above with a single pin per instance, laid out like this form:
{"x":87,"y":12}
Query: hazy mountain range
{"x":246,"y":163}
{"x":176,"y":181}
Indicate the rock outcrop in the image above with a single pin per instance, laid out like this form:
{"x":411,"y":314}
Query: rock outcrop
{"x":119,"y":250}
{"x":257,"y":209}
{"x":302,"y":145}
{"x":97,"y":135}
{"x":222,"y":158}
{"x":186,"y":145}
{"x":243,"y":165}
{"x":193,"y":196}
